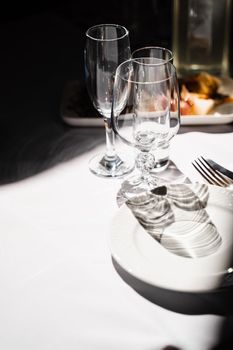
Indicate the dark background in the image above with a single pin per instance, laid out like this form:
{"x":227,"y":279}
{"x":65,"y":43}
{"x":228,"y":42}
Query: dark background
{"x":41,"y":49}
{"x":144,"y":19}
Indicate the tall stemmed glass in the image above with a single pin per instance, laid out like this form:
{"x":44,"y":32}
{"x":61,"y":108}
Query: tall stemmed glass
{"x":107,"y":45}
{"x":154,"y":51}
{"x":162,"y":159}
{"x":145,"y":112}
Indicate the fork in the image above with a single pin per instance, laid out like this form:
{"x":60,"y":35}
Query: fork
{"x":211,"y":175}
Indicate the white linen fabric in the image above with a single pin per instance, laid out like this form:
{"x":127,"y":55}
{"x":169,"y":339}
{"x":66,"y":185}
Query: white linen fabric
{"x":58,"y":287}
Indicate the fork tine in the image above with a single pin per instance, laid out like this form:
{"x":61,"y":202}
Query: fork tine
{"x":203,"y":173}
{"x":209,"y":173}
{"x":221,"y":176}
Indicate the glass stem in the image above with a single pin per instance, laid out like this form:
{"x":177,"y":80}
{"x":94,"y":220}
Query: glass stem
{"x":110,"y":153}
{"x":111,"y":161}
{"x":145,"y":162}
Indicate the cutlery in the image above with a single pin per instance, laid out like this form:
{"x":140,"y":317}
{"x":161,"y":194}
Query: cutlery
{"x":220,"y":168}
{"x":212,"y":176}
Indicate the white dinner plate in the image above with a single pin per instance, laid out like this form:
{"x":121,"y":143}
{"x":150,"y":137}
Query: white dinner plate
{"x":222,"y":114}
{"x":210,"y":119}
{"x":137,"y":252}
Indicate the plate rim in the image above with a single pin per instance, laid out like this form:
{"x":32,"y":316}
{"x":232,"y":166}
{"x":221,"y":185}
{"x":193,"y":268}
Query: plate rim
{"x":209,"y":119}
{"x":146,"y":262}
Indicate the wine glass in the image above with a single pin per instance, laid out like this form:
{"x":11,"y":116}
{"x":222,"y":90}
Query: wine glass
{"x":145,"y":112}
{"x":154,"y":51}
{"x":162,"y":159}
{"x":107,"y":45}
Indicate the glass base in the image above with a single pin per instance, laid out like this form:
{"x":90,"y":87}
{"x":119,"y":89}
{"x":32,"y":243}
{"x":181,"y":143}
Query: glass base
{"x":116,"y":167}
{"x":171,"y":174}
{"x":160,"y":166}
{"x":162,"y":160}
{"x":134,"y":186}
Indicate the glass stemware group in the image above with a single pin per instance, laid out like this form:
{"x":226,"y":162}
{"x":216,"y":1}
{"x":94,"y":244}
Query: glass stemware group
{"x":137,"y":96}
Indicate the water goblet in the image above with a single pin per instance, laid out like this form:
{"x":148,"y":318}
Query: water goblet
{"x":107,"y":45}
{"x":153,"y":51}
{"x":162,"y":159}
{"x":145,"y":112}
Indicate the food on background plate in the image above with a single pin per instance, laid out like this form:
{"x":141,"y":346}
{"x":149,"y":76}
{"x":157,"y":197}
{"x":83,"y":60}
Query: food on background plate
{"x":200,"y":94}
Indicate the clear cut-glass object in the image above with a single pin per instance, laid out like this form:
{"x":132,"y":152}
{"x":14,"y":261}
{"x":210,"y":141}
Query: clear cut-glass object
{"x":161,"y":155}
{"x":145,"y":112}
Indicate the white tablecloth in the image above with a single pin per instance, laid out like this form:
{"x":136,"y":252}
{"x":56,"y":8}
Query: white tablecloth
{"x":58,"y":287}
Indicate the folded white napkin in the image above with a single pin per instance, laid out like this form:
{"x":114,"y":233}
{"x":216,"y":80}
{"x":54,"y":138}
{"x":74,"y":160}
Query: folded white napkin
{"x":187,"y":147}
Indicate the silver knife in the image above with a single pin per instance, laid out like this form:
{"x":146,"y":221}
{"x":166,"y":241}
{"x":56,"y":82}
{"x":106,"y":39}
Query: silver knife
{"x":220,"y":168}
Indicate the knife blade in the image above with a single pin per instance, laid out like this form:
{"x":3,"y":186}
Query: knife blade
{"x":220,"y":168}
